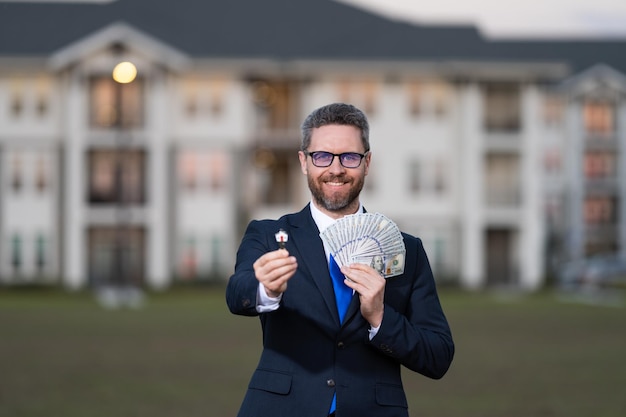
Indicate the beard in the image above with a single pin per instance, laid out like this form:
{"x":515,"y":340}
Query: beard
{"x":338,"y":201}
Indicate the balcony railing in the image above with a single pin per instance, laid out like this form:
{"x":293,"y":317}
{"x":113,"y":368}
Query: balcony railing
{"x":503,"y":197}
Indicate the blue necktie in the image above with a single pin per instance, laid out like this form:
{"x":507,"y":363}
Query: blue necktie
{"x":343,"y":293}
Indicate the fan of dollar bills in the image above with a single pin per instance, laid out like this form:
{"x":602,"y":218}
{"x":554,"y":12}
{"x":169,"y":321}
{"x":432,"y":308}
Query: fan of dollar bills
{"x":367,"y":238}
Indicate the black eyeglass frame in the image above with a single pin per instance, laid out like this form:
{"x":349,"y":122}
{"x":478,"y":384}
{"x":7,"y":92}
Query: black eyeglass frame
{"x":341,"y":157}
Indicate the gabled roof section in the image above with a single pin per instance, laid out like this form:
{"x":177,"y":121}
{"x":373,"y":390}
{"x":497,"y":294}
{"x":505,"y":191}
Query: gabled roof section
{"x":282,"y":30}
{"x":599,"y":80}
{"x":274,"y":29}
{"x":119,"y":33}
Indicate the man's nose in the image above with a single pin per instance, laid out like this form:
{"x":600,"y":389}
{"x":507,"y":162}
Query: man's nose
{"x":335,"y":165}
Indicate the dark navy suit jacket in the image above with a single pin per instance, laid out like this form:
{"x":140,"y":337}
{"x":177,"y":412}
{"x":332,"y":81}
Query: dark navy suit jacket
{"x":307,"y":354}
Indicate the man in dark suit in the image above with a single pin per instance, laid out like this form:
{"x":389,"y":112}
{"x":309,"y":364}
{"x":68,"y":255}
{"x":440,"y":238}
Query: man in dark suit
{"x":318,"y":360}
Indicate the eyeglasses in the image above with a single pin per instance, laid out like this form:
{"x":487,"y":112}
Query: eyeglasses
{"x":324,"y":159}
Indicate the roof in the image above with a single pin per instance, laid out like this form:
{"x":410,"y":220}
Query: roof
{"x":280,"y":30}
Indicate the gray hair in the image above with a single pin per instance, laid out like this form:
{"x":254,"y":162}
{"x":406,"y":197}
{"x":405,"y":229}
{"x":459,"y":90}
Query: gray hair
{"x":335,"y":114}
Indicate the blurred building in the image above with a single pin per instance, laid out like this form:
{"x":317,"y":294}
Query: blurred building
{"x":506,"y":158}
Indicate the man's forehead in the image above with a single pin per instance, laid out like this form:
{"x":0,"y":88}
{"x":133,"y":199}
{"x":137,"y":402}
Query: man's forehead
{"x":343,"y":133}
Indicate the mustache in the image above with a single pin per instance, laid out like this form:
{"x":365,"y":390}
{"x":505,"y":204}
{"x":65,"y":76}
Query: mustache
{"x":336,"y":178}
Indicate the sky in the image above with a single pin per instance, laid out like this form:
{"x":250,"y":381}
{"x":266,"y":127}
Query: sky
{"x":514,"y":18}
{"x":507,"y":18}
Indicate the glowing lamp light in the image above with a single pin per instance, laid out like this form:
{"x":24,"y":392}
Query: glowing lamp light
{"x":124,"y":72}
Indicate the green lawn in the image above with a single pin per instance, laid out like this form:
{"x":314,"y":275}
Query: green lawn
{"x":183,"y":354}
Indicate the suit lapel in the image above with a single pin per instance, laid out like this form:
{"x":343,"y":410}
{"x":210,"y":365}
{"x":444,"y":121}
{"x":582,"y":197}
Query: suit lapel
{"x":354,"y":306}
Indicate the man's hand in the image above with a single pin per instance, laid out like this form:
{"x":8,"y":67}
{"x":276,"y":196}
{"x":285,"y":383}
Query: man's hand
{"x":274,"y":269}
{"x":370,"y":286}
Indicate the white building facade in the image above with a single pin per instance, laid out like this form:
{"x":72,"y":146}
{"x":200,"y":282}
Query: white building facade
{"x":153,"y":182}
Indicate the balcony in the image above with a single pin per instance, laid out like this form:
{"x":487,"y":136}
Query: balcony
{"x":608,"y":186}
{"x":277,"y":112}
{"x":503,"y":197}
{"x":503,"y":142}
{"x":502,"y":181}
{"x":601,"y":142}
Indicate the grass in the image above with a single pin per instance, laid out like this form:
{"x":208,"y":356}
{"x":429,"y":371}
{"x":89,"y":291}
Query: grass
{"x":183,"y":354}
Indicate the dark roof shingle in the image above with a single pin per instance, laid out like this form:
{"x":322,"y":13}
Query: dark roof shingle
{"x":280,"y":29}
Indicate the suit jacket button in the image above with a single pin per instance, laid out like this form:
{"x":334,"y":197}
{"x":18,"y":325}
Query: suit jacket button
{"x":330,"y":382}
{"x":245,"y":302}
{"x":341,"y":345}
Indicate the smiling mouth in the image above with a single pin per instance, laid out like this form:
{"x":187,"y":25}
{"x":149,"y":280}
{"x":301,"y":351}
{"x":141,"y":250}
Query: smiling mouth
{"x":336,"y":181}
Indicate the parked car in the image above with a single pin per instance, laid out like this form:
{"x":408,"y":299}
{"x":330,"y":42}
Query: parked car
{"x":595,"y":272}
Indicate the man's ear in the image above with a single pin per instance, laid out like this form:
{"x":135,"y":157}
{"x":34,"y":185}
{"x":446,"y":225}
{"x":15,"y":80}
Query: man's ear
{"x":368,"y":158}
{"x":303,"y":166}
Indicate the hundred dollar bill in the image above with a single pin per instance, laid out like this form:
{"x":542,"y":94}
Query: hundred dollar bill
{"x":387,"y":265}
{"x":395,"y":265}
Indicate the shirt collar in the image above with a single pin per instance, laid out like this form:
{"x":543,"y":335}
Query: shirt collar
{"x":322,"y":220}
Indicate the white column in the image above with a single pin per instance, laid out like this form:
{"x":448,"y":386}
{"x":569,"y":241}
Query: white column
{"x":157,"y":274}
{"x":74,"y":273}
{"x":621,"y":175}
{"x":532,"y":225}
{"x":573,"y":157}
{"x":471,"y":193}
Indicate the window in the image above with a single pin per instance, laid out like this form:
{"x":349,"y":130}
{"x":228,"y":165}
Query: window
{"x":188,"y":170}
{"x":218,"y":248}
{"x":204,"y":97}
{"x":439,"y":177}
{"x":191,"y":104}
{"x":428,"y":176}
{"x":17,"y":180}
{"x":43,"y":93}
{"x":361,"y":93}
{"x":102,"y":176}
{"x":202,"y":170}
{"x":42,"y":105}
{"x":275,"y":181}
{"x":218,"y":170}
{"x":16,"y":253}
{"x":599,"y":165}
{"x":552,"y":161}
{"x":189,"y":259}
{"x":116,"y":176}
{"x":502,"y":108}
{"x":41,"y":174}
{"x":344,"y":91}
{"x":17,"y":104}
{"x":40,"y":252}
{"x":369,"y":93}
{"x":503,"y":180}
{"x":276,"y":104}
{"x":600,"y":210}
{"x":415,"y":99}
{"x":217,"y":97}
{"x":428,"y":97}
{"x":115,"y":105}
{"x":439,"y":98}
{"x":599,"y":118}
{"x":553,"y":210}
{"x":116,"y":255}
{"x":415,"y":179}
